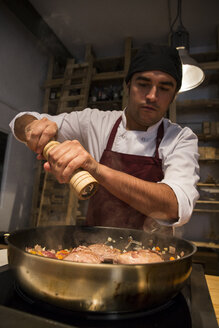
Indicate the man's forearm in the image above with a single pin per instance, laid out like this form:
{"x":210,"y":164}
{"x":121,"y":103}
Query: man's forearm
{"x":20,"y":125}
{"x":156,"y":200}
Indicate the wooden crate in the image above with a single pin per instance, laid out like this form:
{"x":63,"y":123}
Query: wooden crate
{"x":207,"y":152}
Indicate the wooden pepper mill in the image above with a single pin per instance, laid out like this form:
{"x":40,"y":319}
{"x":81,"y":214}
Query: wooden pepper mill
{"x":83,"y":184}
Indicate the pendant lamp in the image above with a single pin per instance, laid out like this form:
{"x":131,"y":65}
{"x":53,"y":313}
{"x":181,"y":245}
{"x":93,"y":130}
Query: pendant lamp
{"x":192,"y":74}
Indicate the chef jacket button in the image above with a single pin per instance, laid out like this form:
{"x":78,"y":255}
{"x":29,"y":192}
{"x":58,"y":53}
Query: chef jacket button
{"x":143,"y":139}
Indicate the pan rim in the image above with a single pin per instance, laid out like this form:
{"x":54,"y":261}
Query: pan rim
{"x":101,"y":265}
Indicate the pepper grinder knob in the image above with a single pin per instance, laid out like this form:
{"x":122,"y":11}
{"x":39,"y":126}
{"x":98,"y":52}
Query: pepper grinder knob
{"x":82,"y":182}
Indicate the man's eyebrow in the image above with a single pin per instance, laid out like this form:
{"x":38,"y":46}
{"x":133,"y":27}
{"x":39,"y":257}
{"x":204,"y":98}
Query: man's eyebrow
{"x":142,"y":78}
{"x":168,"y":83}
{"x":146,"y":79}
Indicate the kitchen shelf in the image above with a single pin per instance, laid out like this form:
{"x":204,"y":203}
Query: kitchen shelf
{"x":205,"y":210}
{"x":109,"y":64}
{"x":107,"y":105}
{"x":214,"y":202}
{"x":210,"y":65}
{"x":209,"y":159}
{"x":202,"y":184}
{"x":55,"y":101}
{"x":203,"y":137}
{"x":101,"y":102}
{"x":108,"y":76}
{"x":205,"y":244}
{"x":200,"y":104}
{"x":209,"y":193}
{"x":208,"y":153}
{"x":54,"y":83}
{"x":206,"y":57}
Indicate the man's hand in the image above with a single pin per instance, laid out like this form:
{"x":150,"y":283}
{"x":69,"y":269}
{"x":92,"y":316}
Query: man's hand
{"x":67,"y":157}
{"x":36,"y":133}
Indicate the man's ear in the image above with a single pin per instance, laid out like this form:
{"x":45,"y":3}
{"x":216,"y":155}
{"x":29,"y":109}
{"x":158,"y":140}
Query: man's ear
{"x":128,"y":86}
{"x":174,"y":97}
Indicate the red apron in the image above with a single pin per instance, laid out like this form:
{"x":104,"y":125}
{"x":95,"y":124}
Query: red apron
{"x":107,"y":210}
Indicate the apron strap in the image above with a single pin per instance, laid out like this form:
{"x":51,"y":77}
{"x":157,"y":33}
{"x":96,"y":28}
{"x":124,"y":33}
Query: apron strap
{"x":113,"y":134}
{"x":160,"y":134}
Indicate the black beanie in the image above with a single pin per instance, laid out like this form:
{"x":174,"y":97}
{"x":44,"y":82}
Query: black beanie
{"x":157,"y":58}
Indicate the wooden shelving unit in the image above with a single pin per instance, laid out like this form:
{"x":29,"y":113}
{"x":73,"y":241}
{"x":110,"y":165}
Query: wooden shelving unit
{"x":107,"y":89}
{"x":55,"y":203}
{"x":204,"y":117}
{"x":69,"y":89}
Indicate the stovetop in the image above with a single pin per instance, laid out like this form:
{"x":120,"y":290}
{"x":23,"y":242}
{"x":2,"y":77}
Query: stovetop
{"x":191,"y":308}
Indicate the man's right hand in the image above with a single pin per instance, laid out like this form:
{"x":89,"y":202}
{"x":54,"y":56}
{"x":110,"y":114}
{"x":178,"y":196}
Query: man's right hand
{"x":36,"y":133}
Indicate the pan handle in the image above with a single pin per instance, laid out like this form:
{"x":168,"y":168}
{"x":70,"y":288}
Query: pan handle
{"x":4,"y":237}
{"x":82,"y":182}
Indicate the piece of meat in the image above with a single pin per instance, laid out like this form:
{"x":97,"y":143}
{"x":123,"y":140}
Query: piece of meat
{"x":81,"y":248}
{"x":138,"y":257}
{"x":106,"y":253}
{"x":98,"y":253}
{"x":83,"y":254}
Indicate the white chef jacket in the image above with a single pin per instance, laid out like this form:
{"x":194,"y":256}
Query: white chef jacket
{"x":178,"y":148}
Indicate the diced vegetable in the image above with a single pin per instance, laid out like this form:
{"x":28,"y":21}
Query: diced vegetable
{"x":172,"y":250}
{"x":172,"y":258}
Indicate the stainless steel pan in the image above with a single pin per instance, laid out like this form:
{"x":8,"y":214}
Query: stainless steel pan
{"x":97,"y":287}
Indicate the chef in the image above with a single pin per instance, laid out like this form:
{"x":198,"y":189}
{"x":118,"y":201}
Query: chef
{"x":146,"y":166}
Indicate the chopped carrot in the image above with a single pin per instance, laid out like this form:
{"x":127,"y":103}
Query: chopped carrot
{"x":64,"y":252}
{"x":61,"y":254}
{"x":35,"y":252}
{"x":40,"y":253}
{"x":157,"y":248}
{"x":32,"y":252}
{"x":172,"y":258}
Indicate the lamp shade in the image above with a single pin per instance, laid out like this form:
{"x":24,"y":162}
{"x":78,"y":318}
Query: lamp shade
{"x":192,"y":74}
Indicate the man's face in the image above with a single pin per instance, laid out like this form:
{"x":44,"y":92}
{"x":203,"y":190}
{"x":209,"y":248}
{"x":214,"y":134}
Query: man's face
{"x":150,"y":94}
